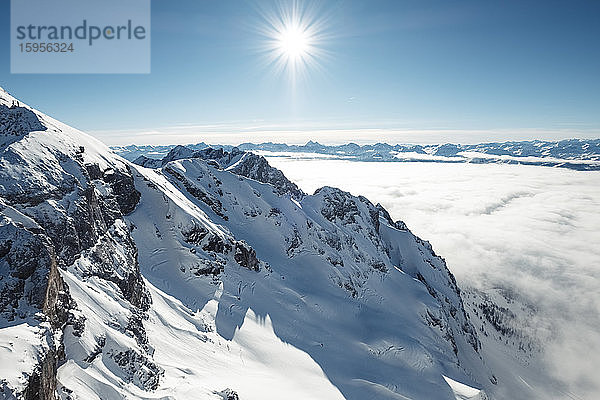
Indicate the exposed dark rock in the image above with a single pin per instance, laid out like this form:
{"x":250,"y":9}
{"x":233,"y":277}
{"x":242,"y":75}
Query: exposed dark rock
{"x":217,"y":244}
{"x":349,"y":286}
{"x":400,"y":225}
{"x":29,"y":260}
{"x":208,"y":268}
{"x":148,"y":162}
{"x":246,"y":256}
{"x":177,"y":153}
{"x":332,"y":240}
{"x":219,"y":158}
{"x":124,"y":272}
{"x":34,"y":278}
{"x":135,"y":291}
{"x":100,"y":343}
{"x":42,"y":382}
{"x":73,"y":219}
{"x":135,"y":327}
{"x":123,"y":188}
{"x":430,"y":288}
{"x":195,"y":234}
{"x":338,"y":205}
{"x":138,"y":369}
{"x":373,"y":212}
{"x":228,"y":394}
{"x":93,"y":171}
{"x":256,"y":167}
{"x":294,"y":242}
{"x":18,"y":121}
{"x":379,"y":265}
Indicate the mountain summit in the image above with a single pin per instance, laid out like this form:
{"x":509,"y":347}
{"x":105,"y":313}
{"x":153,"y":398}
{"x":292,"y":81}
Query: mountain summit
{"x":210,"y":275}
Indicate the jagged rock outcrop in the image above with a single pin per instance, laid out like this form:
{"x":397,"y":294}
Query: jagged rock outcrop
{"x":256,"y":167}
{"x":16,"y":122}
{"x":246,"y":256}
{"x":148,"y":162}
{"x":228,"y":394}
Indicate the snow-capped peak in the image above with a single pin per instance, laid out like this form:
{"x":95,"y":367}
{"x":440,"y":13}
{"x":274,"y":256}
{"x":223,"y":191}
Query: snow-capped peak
{"x":211,"y":275}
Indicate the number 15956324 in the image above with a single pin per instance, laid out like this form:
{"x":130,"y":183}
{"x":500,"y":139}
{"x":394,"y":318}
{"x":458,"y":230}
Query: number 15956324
{"x":56,"y":47}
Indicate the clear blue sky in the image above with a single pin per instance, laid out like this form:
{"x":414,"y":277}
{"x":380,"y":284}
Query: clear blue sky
{"x":519,"y":66}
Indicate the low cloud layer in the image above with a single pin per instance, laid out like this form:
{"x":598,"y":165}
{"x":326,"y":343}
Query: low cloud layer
{"x":534,"y":229}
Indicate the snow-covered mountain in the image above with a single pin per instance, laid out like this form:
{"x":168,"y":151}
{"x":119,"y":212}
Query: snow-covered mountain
{"x":577,"y":154}
{"x":209,"y":275}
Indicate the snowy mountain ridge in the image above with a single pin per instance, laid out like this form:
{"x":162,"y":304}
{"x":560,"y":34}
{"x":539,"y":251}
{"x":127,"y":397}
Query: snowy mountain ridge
{"x":210,"y":275}
{"x":577,"y":154}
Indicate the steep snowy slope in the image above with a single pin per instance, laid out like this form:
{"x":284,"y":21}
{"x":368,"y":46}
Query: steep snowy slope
{"x":366,"y":299}
{"x":212,"y":277}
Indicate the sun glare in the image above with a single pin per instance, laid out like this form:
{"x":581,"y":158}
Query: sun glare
{"x":294,"y":42}
{"x":294,"y":34}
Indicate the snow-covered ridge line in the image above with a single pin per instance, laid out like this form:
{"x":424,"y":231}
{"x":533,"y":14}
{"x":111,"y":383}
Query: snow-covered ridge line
{"x":242,"y":163}
{"x":578,"y":154}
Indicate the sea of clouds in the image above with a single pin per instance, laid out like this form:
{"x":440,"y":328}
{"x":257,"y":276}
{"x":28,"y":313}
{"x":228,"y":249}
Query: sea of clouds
{"x":532,"y":229}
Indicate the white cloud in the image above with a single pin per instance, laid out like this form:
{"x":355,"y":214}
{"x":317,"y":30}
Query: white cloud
{"x":534,"y":229}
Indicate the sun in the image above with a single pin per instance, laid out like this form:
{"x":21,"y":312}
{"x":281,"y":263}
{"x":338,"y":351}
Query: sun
{"x":294,"y":42}
{"x":294,"y":34}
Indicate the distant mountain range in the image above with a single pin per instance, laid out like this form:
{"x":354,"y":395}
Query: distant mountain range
{"x":576,"y":154}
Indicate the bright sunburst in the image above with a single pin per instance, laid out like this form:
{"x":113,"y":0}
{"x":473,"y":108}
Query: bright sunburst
{"x":294,"y":35}
{"x":294,"y":42}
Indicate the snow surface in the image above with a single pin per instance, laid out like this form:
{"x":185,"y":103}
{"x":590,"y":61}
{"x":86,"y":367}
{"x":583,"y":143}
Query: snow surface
{"x":21,"y":346}
{"x":464,"y":392}
{"x":255,"y":362}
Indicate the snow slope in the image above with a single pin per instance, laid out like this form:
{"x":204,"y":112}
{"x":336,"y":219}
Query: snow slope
{"x":325,"y":281}
{"x":213,"y":277}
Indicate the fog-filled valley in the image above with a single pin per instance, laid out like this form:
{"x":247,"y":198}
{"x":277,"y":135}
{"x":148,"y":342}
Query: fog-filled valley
{"x":530,"y":230}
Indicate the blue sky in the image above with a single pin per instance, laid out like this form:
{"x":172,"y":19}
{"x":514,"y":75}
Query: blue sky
{"x":417,"y":71}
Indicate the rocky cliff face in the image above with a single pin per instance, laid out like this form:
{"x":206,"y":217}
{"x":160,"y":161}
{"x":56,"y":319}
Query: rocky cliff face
{"x":61,"y":202}
{"x":31,"y":289}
